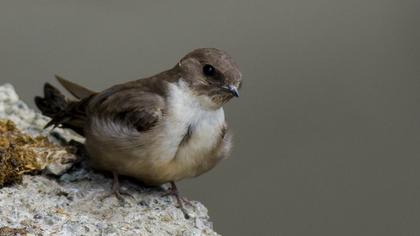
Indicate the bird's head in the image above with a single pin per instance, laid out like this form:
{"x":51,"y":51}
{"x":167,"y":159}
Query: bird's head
{"x":211,"y":73}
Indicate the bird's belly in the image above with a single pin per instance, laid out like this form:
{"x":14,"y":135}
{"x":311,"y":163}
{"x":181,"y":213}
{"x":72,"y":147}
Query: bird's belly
{"x":160,"y":162}
{"x":185,"y":161}
{"x":184,"y":147}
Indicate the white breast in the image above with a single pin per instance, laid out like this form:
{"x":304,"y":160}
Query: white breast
{"x":186,"y":109}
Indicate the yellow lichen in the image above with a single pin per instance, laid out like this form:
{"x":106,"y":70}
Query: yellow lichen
{"x":21,"y":153}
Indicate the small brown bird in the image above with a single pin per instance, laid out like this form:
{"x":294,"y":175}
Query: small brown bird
{"x":158,"y":130}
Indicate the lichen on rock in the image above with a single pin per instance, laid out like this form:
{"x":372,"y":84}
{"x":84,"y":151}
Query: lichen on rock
{"x":16,"y":155}
{"x":23,"y":154}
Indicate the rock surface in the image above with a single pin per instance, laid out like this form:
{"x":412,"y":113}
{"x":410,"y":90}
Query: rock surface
{"x":72,"y":203}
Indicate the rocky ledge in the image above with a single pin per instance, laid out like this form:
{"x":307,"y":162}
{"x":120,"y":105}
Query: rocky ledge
{"x":46,"y":194}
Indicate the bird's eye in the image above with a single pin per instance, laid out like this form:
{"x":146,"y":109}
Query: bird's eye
{"x":209,"y":70}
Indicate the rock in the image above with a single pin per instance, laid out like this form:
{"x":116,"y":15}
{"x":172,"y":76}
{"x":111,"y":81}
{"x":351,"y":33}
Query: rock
{"x":6,"y":231}
{"x":72,"y":203}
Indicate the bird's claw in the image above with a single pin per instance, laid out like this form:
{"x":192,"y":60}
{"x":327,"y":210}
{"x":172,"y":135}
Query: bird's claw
{"x":173,"y":191}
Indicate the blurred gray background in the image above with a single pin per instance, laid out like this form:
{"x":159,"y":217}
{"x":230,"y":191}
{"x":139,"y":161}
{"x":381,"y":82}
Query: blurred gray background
{"x":327,"y":128}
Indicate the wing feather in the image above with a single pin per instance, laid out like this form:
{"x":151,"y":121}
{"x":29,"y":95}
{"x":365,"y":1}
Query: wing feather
{"x":130,"y":106}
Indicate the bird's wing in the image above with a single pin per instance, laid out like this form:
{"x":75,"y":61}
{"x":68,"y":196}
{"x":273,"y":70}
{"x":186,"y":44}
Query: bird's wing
{"x":129,"y":106}
{"x":76,"y":90}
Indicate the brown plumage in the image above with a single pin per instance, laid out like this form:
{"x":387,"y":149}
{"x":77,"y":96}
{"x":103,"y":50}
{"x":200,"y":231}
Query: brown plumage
{"x":159,"y":129}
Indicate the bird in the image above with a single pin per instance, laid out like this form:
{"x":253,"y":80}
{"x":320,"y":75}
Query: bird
{"x":159,"y":129}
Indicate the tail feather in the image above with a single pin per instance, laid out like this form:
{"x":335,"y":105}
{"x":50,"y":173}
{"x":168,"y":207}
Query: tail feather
{"x":53,"y":101}
{"x":64,"y":113}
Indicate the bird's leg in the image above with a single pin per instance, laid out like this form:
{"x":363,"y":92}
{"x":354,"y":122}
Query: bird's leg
{"x":174,"y":192}
{"x":115,"y":190}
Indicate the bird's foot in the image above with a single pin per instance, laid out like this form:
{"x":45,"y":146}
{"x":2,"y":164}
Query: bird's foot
{"x":173,"y":191}
{"x":186,"y":201}
{"x":176,"y":195}
{"x":116,"y":190}
{"x":119,"y":194}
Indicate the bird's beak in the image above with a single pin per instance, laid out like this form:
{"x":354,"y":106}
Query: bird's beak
{"x":233,"y":90}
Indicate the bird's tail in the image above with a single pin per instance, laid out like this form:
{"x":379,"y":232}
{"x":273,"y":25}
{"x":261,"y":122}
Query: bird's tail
{"x":63,"y":113}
